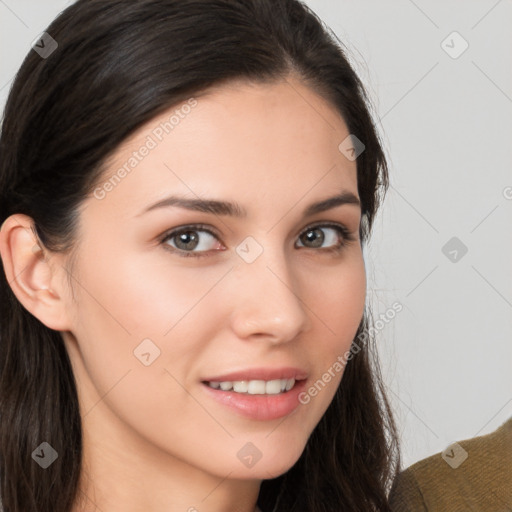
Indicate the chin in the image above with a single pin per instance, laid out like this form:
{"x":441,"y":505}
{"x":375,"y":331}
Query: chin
{"x":271,"y":465}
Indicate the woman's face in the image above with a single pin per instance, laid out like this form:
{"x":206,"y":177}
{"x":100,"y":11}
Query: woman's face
{"x":274,"y":293}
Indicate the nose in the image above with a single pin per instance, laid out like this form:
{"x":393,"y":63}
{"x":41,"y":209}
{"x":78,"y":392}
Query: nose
{"x":268,"y":304}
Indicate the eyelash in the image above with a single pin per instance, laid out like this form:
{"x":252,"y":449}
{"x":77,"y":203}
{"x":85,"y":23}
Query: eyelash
{"x":347,"y":237}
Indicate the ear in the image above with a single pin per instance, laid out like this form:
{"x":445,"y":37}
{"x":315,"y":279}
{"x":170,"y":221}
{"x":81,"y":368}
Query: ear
{"x":34,"y":274}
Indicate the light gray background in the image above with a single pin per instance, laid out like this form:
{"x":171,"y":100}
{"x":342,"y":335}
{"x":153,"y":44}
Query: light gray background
{"x":447,"y":128}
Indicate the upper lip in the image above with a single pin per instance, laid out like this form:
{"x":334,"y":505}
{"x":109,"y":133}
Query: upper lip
{"x":261,"y":373}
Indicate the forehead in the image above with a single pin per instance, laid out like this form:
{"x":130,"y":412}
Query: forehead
{"x":244,"y":139}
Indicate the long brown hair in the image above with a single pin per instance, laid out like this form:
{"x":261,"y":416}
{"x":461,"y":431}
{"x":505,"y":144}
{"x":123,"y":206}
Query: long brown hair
{"x":118,"y":64}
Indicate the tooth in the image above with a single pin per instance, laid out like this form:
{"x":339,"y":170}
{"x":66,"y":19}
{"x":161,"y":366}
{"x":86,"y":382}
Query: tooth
{"x":240,"y":386}
{"x":273,"y":387}
{"x":256,"y":387}
{"x":289,"y":384}
{"x":226,"y":385}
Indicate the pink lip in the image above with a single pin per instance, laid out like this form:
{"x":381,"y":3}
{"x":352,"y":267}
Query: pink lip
{"x":260,"y":374}
{"x":258,"y":407}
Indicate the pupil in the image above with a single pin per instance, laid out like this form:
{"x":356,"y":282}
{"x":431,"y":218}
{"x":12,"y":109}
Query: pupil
{"x":187,"y":238}
{"x":314,"y":238}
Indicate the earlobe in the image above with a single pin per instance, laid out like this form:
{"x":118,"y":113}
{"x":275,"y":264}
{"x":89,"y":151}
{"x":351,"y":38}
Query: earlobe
{"x":31,"y":272}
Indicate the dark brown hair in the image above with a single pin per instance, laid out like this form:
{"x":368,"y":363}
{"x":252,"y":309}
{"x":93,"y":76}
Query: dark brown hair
{"x":118,"y":64}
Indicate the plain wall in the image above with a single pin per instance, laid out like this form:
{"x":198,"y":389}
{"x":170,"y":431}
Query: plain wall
{"x":446,"y":122}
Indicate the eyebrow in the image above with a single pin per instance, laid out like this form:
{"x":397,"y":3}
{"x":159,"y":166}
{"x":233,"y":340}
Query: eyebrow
{"x":235,"y":210}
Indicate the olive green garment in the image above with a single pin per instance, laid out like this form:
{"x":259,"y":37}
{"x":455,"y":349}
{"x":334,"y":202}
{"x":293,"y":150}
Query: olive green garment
{"x":451,"y":482}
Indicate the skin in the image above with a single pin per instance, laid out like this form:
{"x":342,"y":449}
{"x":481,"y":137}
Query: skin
{"x":153,"y":439}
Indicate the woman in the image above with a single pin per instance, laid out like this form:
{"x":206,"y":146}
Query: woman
{"x":186,"y":188}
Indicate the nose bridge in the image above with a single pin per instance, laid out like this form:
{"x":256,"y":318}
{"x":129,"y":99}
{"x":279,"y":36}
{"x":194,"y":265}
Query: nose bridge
{"x":268,"y":301}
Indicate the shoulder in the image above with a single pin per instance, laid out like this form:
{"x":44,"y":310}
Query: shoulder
{"x":471,"y":474}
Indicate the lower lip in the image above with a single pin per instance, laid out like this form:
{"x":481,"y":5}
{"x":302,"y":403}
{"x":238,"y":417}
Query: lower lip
{"x":260,"y":407}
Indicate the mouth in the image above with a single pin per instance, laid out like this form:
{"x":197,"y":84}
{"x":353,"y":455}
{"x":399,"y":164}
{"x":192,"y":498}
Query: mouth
{"x":254,"y":387}
{"x":259,"y":394}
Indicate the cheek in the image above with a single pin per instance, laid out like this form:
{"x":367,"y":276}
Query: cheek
{"x":132,"y":306}
{"x":339,"y":307}
{"x":125,"y":304}
{"x":339,"y":301}
{"x":140,"y":296}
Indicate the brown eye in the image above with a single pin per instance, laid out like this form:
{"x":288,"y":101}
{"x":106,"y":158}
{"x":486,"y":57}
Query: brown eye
{"x":335,"y":236}
{"x":190,"y":241}
{"x":314,"y":236}
{"x":186,"y":240}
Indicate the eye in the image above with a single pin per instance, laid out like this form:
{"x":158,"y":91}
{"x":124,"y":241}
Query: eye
{"x":338,"y":236}
{"x":188,"y":241}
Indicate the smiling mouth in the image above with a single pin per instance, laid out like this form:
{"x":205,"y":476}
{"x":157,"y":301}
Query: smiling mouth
{"x":258,"y":399}
{"x":254,"y":387}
